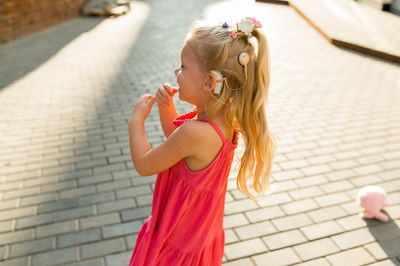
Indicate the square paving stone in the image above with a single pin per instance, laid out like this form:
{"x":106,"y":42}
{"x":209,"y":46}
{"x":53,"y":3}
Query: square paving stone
{"x":121,"y":229}
{"x":81,"y":237}
{"x":291,"y":222}
{"x":316,"y":262}
{"x":357,"y":256}
{"x":328,"y":213}
{"x":264,"y":214}
{"x":353,"y":238}
{"x":284,"y":239}
{"x":15,"y":262}
{"x":351,"y":222}
{"x":316,"y":249}
{"x":244,"y":249}
{"x":279,"y":257}
{"x":32,"y":247}
{"x":102,"y":248}
{"x":241,"y":262}
{"x":61,"y":256}
{"x":321,"y":230}
{"x":385,"y":249}
{"x":255,"y":230}
{"x":234,"y":220}
{"x":119,"y":259}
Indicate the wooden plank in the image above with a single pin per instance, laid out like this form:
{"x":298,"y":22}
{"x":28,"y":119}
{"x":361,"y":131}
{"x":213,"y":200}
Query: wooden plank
{"x":348,"y":24}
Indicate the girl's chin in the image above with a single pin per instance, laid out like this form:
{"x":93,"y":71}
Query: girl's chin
{"x":183,"y":99}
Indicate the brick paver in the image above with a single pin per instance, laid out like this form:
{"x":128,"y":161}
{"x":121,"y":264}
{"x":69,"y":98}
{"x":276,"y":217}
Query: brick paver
{"x":69,"y":193}
{"x":357,"y":256}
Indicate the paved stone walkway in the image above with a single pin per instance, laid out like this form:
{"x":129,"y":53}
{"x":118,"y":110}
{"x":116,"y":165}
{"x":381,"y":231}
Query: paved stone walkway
{"x":69,"y":194}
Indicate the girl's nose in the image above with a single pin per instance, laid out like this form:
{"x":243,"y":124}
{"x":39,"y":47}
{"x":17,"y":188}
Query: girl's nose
{"x":176,"y":71}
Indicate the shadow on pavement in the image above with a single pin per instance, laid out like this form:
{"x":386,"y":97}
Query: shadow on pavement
{"x":17,"y":60}
{"x":387,"y":236}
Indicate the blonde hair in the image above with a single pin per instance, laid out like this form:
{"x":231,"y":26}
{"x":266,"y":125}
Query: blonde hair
{"x":243,"y":101}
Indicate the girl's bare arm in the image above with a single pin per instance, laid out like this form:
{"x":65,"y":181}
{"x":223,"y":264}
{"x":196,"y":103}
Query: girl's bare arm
{"x":193,"y":139}
{"x":184,"y":142}
{"x":167,"y":115}
{"x":166,"y":107}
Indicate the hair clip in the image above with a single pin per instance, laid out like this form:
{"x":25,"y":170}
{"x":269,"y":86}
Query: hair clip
{"x":246,"y":26}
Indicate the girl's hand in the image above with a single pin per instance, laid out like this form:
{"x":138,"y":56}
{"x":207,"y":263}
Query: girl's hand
{"x":165,"y":93}
{"x":142,"y":108}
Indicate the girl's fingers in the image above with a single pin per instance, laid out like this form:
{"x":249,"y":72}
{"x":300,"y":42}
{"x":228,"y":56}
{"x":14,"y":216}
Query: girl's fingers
{"x":152,"y":100}
{"x":172,"y":90}
{"x":164,"y":93}
{"x":163,"y":96}
{"x":167,"y":87}
{"x":144,"y":98}
{"x":149,"y":98}
{"x":162,"y":100}
{"x":166,"y":101}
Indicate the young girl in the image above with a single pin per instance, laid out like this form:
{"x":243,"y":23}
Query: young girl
{"x":226,"y":76}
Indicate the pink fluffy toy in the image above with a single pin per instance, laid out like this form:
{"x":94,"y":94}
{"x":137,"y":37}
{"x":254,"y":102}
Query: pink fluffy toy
{"x":372,"y":199}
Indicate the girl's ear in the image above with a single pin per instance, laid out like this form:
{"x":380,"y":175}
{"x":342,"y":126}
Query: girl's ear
{"x":210,"y":82}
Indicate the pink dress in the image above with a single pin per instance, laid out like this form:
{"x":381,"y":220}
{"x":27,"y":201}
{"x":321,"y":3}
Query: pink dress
{"x":185,"y":226}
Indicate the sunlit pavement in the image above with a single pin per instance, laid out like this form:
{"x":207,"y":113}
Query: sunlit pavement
{"x":68,"y":190}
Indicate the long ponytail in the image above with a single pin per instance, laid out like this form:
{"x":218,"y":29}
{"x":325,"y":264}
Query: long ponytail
{"x":256,"y":161}
{"x":244,"y":102}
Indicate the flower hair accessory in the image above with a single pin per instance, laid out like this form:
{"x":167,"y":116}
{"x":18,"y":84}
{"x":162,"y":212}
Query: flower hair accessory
{"x":233,"y":35}
{"x":246,"y":26}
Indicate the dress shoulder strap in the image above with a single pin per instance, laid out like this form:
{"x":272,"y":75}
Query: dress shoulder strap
{"x":216,"y":129}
